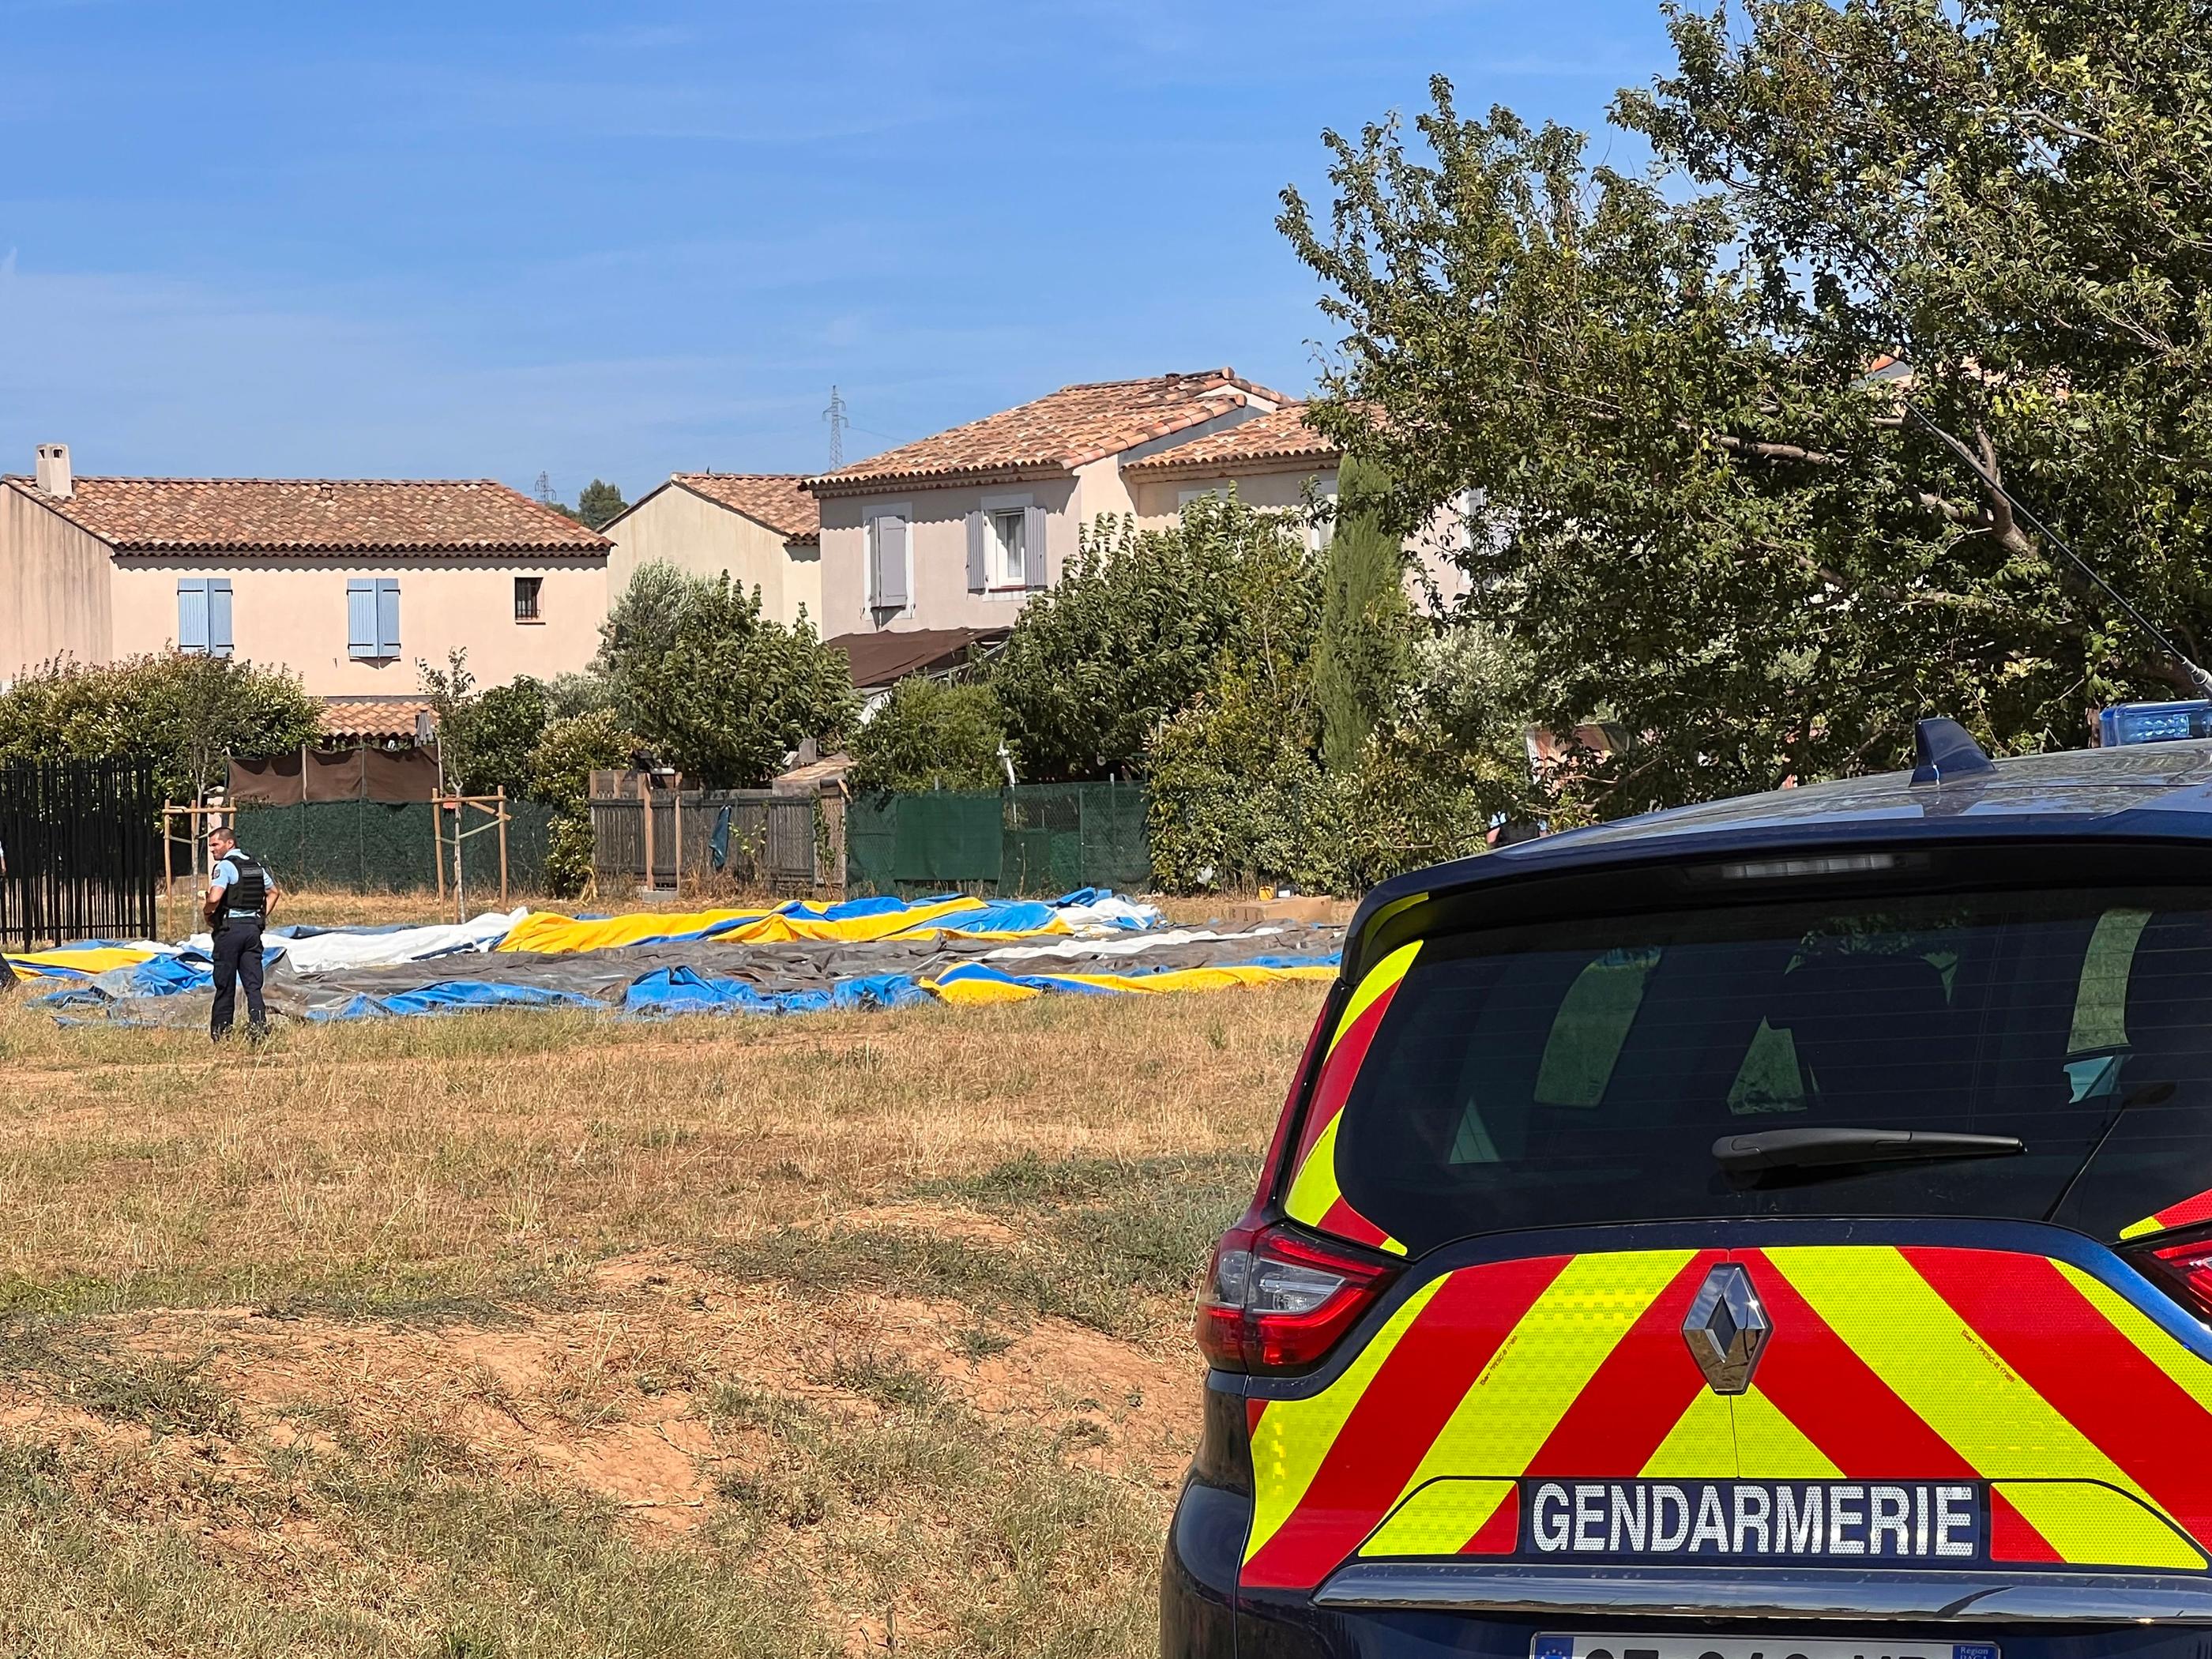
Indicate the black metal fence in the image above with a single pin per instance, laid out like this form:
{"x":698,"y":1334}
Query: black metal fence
{"x":82,"y":843}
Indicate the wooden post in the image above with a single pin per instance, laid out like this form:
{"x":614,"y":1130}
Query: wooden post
{"x":168,"y":890}
{"x":438,"y":843}
{"x":502,"y":847}
{"x":645,"y":806}
{"x":460,"y":899}
{"x":675,"y":807}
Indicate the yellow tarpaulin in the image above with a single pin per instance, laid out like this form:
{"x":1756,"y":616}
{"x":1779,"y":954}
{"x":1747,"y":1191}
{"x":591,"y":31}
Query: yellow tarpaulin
{"x":544,"y":931}
{"x":82,"y":959}
{"x":960,"y":989}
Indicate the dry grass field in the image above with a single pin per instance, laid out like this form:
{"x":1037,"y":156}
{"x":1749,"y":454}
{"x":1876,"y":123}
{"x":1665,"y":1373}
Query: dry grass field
{"x":542,"y":1334}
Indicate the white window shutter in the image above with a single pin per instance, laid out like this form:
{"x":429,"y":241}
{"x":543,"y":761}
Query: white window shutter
{"x":1033,"y":562}
{"x":978,"y":572}
{"x":891,"y":562}
{"x":388,"y":618}
{"x":191,"y":614}
{"x":361,"y":618}
{"x":218,"y":604}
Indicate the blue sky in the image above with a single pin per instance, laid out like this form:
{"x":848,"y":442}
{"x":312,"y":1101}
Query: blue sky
{"x":487,"y":237}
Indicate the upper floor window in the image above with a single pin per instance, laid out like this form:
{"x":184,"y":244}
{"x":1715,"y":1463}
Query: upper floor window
{"x":527,"y":590}
{"x":204,"y":615}
{"x":888,"y":587}
{"x":1007,"y":545}
{"x":372,"y":618}
{"x":1009,"y":548}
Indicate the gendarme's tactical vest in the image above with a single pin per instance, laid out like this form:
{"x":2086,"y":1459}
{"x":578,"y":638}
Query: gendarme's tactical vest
{"x":248,"y":892}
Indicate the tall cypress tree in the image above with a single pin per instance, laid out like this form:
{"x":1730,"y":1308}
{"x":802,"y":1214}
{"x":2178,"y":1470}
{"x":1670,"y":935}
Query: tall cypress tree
{"x":1364,"y":655}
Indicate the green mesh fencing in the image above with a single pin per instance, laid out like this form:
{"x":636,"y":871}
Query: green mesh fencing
{"x":374,"y":846}
{"x":1037,"y":840}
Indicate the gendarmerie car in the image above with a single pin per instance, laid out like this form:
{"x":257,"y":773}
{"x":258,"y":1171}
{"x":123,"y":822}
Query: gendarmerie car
{"x":1779,"y":1227}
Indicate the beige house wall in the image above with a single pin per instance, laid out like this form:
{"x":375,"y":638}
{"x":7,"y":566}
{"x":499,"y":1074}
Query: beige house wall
{"x":1434,"y":577}
{"x":292,"y":613}
{"x":701,"y":537}
{"x":1159,"y":500}
{"x":54,"y":598}
{"x":937,"y":539}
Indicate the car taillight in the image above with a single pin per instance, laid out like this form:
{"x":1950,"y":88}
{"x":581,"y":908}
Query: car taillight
{"x":2185,"y":1270}
{"x":1275,"y":1300}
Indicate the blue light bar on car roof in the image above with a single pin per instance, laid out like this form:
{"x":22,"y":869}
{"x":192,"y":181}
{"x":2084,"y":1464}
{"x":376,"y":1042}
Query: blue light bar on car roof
{"x":2154,"y":722}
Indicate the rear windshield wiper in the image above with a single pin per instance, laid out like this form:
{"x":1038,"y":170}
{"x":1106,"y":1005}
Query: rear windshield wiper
{"x":1806,"y":1148}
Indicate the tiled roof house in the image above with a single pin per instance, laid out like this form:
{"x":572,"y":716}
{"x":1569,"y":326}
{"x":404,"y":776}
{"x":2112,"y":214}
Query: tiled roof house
{"x":347,"y":582}
{"x":763,"y":528}
{"x":955,"y":530}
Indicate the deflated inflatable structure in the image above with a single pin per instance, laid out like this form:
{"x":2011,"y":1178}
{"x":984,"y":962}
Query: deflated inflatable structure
{"x":797,"y":958}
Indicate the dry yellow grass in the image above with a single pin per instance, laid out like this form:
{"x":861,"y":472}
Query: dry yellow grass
{"x":521,"y":1334}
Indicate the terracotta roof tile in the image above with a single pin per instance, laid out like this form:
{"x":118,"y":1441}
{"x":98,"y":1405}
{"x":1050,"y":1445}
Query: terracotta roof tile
{"x":1281,"y":435}
{"x":315,"y":515}
{"x":778,"y":500}
{"x":372,"y":716}
{"x":1061,"y":431}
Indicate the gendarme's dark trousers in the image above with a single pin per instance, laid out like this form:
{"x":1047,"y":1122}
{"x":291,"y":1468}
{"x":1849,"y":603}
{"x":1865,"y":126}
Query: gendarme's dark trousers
{"x":238,"y":960}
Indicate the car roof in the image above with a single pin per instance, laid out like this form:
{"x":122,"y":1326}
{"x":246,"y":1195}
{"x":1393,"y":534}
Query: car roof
{"x":2161,"y":791}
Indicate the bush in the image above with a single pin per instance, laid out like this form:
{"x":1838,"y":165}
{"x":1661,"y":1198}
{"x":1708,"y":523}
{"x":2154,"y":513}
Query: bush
{"x":1138,"y":627}
{"x":485,"y":739}
{"x":183,"y":715}
{"x":560,"y":771}
{"x":714,"y":688}
{"x":932,"y":735}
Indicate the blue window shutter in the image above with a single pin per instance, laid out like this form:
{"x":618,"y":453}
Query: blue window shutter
{"x":361,"y":618}
{"x":1033,"y":569}
{"x":191,"y":614}
{"x":387,"y":617}
{"x":979,"y":574}
{"x":218,"y":604}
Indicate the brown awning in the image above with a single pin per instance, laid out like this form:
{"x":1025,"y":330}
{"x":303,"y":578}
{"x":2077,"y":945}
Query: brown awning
{"x":364,"y":774}
{"x":883,"y":658}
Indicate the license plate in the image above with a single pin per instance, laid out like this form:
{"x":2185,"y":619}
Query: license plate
{"x":1747,"y":1647}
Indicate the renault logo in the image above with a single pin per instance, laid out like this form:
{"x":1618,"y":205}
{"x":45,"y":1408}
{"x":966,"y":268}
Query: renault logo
{"x":1727,"y":1328}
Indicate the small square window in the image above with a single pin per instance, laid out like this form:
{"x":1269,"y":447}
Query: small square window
{"x":527,"y":590}
{"x":1010,"y":549}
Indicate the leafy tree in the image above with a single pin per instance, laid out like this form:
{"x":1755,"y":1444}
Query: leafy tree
{"x":641,"y":624}
{"x":183,"y":714}
{"x":561,"y":769}
{"x":1703,"y":500}
{"x":599,"y":503}
{"x":1362,"y":657}
{"x":486,"y":738}
{"x":571,"y":694}
{"x":932,"y":734}
{"x":733,"y":692}
{"x":1134,"y":630}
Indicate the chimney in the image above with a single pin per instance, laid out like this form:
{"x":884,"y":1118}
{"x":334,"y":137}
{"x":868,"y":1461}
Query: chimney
{"x":54,"y":478}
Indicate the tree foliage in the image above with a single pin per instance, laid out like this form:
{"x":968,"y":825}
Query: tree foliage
{"x":714,"y":688}
{"x":932,"y":734}
{"x":561,"y":769}
{"x":185,"y":715}
{"x":486,"y":738}
{"x":599,"y":504}
{"x":1702,"y":502}
{"x":1363,"y":654}
{"x":1137,"y":627}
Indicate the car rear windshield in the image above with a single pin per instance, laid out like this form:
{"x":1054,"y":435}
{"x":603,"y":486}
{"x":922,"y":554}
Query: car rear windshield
{"x":1581,"y":1071}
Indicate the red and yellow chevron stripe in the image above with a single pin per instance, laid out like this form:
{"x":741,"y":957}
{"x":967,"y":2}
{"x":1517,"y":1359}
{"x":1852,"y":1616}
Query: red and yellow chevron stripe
{"x":2186,"y":1213}
{"x":2092,"y":1424}
{"x":1316,"y":1198}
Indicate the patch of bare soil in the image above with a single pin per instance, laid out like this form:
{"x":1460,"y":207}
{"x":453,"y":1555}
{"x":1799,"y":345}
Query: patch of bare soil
{"x":616,"y":1399}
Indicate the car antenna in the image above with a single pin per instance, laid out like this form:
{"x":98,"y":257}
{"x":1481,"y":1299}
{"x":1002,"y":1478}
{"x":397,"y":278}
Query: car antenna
{"x":1983,"y":471}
